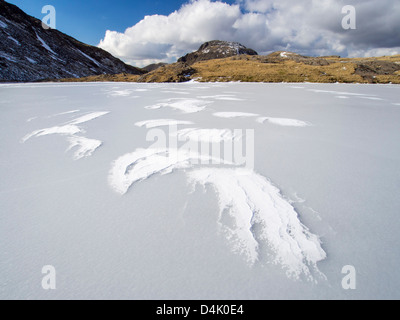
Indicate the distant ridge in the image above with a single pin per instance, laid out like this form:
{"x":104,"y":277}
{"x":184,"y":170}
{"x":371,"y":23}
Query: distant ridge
{"x":206,"y":65}
{"x":216,"y":49}
{"x":154,"y":66}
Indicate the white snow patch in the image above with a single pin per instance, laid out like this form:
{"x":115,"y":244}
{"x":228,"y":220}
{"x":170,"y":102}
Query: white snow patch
{"x":122,"y":93}
{"x":336,"y":92}
{"x":341,"y":97}
{"x":143,"y":163}
{"x":89,"y":117}
{"x":161,"y":123}
{"x":7,"y":56}
{"x":234,"y":114}
{"x":206,"y":135}
{"x":31,"y":119}
{"x":372,"y":98}
{"x":88,"y":57}
{"x":44,"y":44}
{"x":177,"y":92}
{"x":184,"y":105}
{"x":284,"y":122}
{"x":69,"y":129}
{"x":222,"y":97}
{"x":31,"y":60}
{"x":67,"y":112}
{"x":253,"y":211}
{"x":15,"y":40}
{"x":85,"y":147}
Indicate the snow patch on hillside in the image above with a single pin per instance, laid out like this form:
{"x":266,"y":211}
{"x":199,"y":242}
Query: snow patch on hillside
{"x":44,"y":44}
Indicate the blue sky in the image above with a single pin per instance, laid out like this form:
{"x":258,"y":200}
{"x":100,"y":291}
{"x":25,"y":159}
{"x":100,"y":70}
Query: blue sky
{"x":308,"y":27}
{"x":88,"y":20}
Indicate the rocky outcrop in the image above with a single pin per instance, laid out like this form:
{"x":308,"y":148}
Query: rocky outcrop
{"x":176,"y":72}
{"x":216,"y":50}
{"x":154,"y":66}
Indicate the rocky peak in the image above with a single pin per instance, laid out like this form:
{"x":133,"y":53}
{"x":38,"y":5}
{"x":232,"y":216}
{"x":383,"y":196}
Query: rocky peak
{"x":216,"y":50}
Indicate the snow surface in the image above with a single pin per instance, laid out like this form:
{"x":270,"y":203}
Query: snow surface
{"x":227,"y":97}
{"x":206,"y":135}
{"x":234,"y":114}
{"x":161,"y":123}
{"x":89,"y":117}
{"x":259,"y":214}
{"x":143,"y":163}
{"x":283,"y":122}
{"x":84,"y":146}
{"x":183,"y":105}
{"x":93,"y":191}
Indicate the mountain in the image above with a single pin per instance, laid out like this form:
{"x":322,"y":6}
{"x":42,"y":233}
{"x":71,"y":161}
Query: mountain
{"x":216,"y":50}
{"x":280,"y":66}
{"x":30,"y":53}
{"x":154,"y":66}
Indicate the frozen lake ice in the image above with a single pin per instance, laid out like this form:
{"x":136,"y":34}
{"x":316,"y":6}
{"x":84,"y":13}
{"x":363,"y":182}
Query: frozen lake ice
{"x":89,"y":186}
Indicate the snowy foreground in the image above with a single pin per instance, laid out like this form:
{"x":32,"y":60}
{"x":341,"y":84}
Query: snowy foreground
{"x":199,"y":191}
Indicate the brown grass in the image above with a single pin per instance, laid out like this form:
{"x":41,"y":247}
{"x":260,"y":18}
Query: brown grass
{"x":123,"y":77}
{"x":272,"y":68}
{"x":339,"y":70}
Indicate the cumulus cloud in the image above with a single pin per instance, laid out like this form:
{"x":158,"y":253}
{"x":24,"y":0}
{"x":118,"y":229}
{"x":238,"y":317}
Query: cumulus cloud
{"x":311,"y":27}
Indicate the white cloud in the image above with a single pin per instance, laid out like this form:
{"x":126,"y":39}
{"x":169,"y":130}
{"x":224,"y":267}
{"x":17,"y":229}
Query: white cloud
{"x":311,"y":27}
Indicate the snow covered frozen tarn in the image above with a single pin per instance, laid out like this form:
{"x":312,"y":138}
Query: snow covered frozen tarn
{"x":118,"y":194}
{"x":257,"y":211}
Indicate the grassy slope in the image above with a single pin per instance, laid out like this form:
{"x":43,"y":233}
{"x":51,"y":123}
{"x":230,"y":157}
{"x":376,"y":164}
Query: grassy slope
{"x":254,"y":69}
{"x":273,"y":68}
